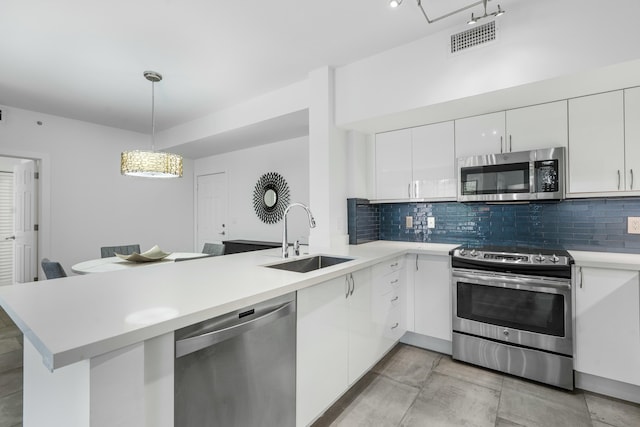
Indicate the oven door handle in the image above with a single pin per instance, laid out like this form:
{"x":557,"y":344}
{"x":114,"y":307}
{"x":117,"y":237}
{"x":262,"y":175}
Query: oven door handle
{"x":526,"y":283}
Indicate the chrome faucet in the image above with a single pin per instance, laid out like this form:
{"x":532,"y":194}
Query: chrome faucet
{"x":285,"y":241}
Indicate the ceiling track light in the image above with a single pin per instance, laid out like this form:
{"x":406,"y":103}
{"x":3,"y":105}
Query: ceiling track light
{"x":497,"y":13}
{"x":396,"y":3}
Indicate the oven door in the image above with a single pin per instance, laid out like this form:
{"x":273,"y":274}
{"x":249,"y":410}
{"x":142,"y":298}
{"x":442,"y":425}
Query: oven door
{"x":530,"y":311}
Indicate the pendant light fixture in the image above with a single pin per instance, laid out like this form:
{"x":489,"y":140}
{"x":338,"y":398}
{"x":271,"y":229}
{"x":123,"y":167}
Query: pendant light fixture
{"x":151,"y":164}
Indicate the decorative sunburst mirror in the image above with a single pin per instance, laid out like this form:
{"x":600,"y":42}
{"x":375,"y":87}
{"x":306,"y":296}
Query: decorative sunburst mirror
{"x":271,"y":197}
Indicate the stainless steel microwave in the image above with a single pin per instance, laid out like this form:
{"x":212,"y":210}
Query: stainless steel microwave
{"x":512,"y":177}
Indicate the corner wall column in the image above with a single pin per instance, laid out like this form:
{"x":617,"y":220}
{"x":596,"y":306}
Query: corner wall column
{"x":327,"y":165}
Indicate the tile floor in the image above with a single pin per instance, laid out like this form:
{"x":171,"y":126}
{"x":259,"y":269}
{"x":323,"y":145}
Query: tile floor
{"x":409,"y":387}
{"x":416,"y":387}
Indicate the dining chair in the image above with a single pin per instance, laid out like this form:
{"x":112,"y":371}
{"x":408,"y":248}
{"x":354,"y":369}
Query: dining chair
{"x":52,"y":269}
{"x":214,"y":249}
{"x":109,"y":251}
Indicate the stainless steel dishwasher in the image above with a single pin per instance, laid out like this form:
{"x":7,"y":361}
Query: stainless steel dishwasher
{"x":238,"y":369}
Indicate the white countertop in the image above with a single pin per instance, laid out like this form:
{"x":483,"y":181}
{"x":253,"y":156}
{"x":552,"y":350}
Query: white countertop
{"x":80,"y":317}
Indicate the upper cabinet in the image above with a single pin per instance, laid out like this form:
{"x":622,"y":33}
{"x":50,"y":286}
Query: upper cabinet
{"x":416,"y":163}
{"x":632,"y":138}
{"x":480,"y":135}
{"x":520,"y":129}
{"x":596,"y":144}
{"x":538,"y":126}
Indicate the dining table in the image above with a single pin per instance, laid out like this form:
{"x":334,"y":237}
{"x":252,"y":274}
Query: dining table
{"x":114,"y":263}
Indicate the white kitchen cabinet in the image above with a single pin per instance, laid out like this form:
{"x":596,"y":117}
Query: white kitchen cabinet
{"x":432,"y":297}
{"x":632,"y":138}
{"x":480,"y":135}
{"x":341,"y":333}
{"x":596,"y":143}
{"x":607,"y":325}
{"x":364,"y":330}
{"x":433,"y":161}
{"x":322,"y":342}
{"x":389,"y":302}
{"x":537,"y":126}
{"x":393,"y":165}
{"x":416,"y":163}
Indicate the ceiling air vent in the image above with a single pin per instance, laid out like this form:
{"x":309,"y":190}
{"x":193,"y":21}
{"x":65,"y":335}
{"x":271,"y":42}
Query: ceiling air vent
{"x":475,"y":36}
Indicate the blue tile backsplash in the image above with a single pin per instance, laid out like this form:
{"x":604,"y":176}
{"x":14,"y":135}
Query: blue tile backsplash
{"x":585,"y":224}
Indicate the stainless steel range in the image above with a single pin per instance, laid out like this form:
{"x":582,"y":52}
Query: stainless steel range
{"x":512,"y":311}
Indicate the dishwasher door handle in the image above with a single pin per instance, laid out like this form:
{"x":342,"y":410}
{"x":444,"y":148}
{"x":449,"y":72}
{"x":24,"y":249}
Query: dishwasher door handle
{"x":189,"y":345}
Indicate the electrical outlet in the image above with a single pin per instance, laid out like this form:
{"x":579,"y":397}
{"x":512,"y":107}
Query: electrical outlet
{"x":431,"y":222}
{"x":408,"y":222}
{"x":633,"y":225}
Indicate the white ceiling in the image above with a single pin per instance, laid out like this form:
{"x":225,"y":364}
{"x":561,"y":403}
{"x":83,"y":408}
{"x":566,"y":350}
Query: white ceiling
{"x":84,"y":59}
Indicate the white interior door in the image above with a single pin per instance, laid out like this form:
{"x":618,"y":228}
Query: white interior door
{"x":6,"y":228}
{"x":25,"y":220}
{"x":211,"y":209}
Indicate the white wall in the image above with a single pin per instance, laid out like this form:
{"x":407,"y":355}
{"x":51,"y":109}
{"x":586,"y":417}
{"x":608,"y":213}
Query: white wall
{"x":89,"y":203}
{"x":539,"y":40}
{"x":290,"y":159}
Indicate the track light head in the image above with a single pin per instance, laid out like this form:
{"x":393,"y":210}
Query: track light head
{"x":472,"y":21}
{"x":394,"y":3}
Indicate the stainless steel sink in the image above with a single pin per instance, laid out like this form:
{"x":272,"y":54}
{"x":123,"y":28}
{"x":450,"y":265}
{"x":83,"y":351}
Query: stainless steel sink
{"x":305,"y":265}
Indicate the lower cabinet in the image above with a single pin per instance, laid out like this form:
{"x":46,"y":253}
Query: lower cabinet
{"x":344,"y":327}
{"x":607,"y":314}
{"x":432,"y":297}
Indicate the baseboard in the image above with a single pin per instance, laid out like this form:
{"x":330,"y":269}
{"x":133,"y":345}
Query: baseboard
{"x":617,"y":389}
{"x":426,"y":342}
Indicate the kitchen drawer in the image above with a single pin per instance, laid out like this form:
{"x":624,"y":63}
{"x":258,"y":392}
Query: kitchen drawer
{"x":385,"y":284}
{"x":383,"y":304}
{"x":393,"y":328}
{"x":386,"y":267}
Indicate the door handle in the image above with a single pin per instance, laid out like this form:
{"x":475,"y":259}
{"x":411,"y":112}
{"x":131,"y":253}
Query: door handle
{"x":222,"y":232}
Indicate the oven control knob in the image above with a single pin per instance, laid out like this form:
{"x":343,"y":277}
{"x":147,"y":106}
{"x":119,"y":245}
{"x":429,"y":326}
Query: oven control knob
{"x":463,"y":252}
{"x":539,"y":258}
{"x":473,"y":252}
{"x":505,"y":332}
{"x":555,"y":259}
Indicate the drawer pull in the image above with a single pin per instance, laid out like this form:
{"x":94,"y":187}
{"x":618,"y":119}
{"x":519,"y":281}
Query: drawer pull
{"x":395,"y":326}
{"x":395,"y":264}
{"x":395,"y":299}
{"x":393,"y":282}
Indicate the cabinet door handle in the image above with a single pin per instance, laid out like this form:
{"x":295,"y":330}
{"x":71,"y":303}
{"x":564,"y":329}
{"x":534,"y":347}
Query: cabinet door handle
{"x":353,"y":284}
{"x":580,"y":277}
{"x":395,"y":326}
{"x":501,"y":149}
{"x":416,"y":262}
{"x":393,"y":282}
{"x":347,"y":285}
{"x":409,"y":190}
{"x":631,"y":171}
{"x":394,"y":299}
{"x":395,"y":264}
{"x":415,"y":189}
{"x":510,"y":146}
{"x":618,"y":179}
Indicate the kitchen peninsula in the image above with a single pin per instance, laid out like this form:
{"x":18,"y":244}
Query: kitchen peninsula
{"x":99,"y":349}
